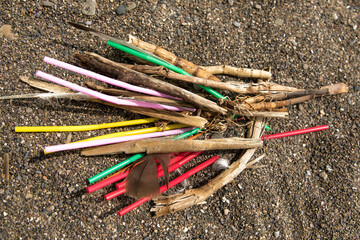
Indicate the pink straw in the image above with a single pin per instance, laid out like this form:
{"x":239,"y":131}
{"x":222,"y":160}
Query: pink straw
{"x":122,"y":175}
{"x":121,"y":186}
{"x":171,"y":184}
{"x":106,"y":79}
{"x":295,"y":132}
{"x":99,"y":142}
{"x":105,"y":97}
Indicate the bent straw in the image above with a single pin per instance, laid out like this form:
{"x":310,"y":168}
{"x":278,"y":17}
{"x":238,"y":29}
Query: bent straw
{"x":71,"y":146}
{"x":171,"y":184}
{"x":295,"y":132}
{"x":78,"y":128}
{"x":117,"y":177}
{"x":134,"y":158}
{"x":161,"y":63}
{"x":136,"y":131}
{"x":103,"y":78}
{"x":121,"y":186}
{"x":105,"y":97}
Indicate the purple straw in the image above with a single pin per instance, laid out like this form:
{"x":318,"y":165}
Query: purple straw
{"x":106,"y":79}
{"x":105,"y":97}
{"x":93,"y":143}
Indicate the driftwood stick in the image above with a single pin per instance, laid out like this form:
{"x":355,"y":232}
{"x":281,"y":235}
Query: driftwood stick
{"x":151,"y":146}
{"x":238,"y":72}
{"x":275,"y":114}
{"x":324,"y":91}
{"x":261,"y":87}
{"x":177,"y":202}
{"x":133,"y":77}
{"x":138,"y":96}
{"x":189,"y":67}
{"x":272,"y":105}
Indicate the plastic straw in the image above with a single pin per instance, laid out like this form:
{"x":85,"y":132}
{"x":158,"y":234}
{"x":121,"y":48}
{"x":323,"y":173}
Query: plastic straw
{"x":161,"y":63}
{"x":77,"y":128}
{"x":114,"y":178}
{"x":121,"y":186}
{"x":135,"y":132}
{"x":106,"y":79}
{"x":105,"y":97}
{"x":295,"y":132}
{"x":134,"y":158}
{"x":171,"y":184}
{"x":71,"y":146}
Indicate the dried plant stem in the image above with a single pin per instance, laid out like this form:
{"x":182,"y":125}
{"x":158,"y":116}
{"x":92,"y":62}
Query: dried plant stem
{"x":238,"y":72}
{"x":133,"y":77}
{"x":6,"y":166}
{"x":189,"y":67}
{"x":177,"y":202}
{"x":274,"y":114}
{"x":171,"y":145}
{"x":50,"y":87}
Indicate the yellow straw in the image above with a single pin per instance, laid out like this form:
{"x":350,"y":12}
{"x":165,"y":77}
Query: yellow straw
{"x":84,"y":127}
{"x":137,"y":131}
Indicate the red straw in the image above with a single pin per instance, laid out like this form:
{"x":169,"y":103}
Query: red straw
{"x":171,"y":184}
{"x":121,"y":186}
{"x":123,"y":175}
{"x":295,"y":132}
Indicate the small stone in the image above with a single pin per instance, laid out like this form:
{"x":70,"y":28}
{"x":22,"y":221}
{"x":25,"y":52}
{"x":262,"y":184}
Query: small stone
{"x":308,"y":173}
{"x":71,"y":189}
{"x":305,"y":66}
{"x":328,"y":168}
{"x":28,"y":110}
{"x":88,"y":23}
{"x":28,"y":196}
{"x":6,"y":32}
{"x":89,"y":8}
{"x":5,"y":214}
{"x":47,"y":4}
{"x":323,"y":175}
{"x":130,"y":6}
{"x":226,"y":211}
{"x":277,"y":234}
{"x":279,"y":22}
{"x":120,"y":10}
{"x":236,"y":24}
{"x":231,"y":2}
{"x":239,"y":186}
{"x":186,"y":230}
{"x":258,"y":6}
{"x":356,"y":88}
{"x":335,"y":16}
{"x":38,"y":14}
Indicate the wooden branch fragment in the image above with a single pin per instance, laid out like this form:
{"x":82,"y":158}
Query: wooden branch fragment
{"x":324,"y":91}
{"x":238,"y":72}
{"x":138,"y":96}
{"x":171,"y":116}
{"x":272,"y":105}
{"x":261,"y":87}
{"x":177,"y":202}
{"x":6,"y":166}
{"x":162,"y":145}
{"x":273,"y":114}
{"x":189,"y":67}
{"x":133,"y":77}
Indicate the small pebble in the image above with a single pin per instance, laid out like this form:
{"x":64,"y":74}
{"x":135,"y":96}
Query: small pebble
{"x":186,"y":230}
{"x":38,"y":14}
{"x":308,"y":173}
{"x":328,"y":168}
{"x":323,"y":175}
{"x":89,"y":8}
{"x":71,"y":189}
{"x":28,"y":110}
{"x":28,"y":196}
{"x":279,"y":22}
{"x":231,"y":2}
{"x":239,"y":186}
{"x":277,"y":234}
{"x":335,"y":16}
{"x":120,"y":10}
{"x":6,"y":32}
{"x":131,"y":6}
{"x":236,"y":24}
{"x":5,"y":214}
{"x":258,"y":6}
{"x":356,"y":88}
{"x":226,"y":211}
{"x":47,"y":4}
{"x":88,"y":23}
{"x":305,"y":66}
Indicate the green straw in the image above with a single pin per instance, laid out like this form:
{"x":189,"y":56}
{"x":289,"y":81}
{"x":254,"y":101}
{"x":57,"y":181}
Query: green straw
{"x":161,"y":63}
{"x":135,"y":157}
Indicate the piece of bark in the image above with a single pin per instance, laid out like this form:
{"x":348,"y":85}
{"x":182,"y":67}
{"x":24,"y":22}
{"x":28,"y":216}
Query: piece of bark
{"x":161,"y":145}
{"x":187,"y":66}
{"x":238,"y":72}
{"x":138,"y":96}
{"x":177,"y":202}
{"x":137,"y":78}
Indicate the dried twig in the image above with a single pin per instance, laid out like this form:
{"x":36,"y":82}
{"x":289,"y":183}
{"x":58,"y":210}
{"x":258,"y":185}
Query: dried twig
{"x":238,"y":72}
{"x":6,"y":166}
{"x":151,"y":146}
{"x":189,"y":67}
{"x":195,"y":196}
